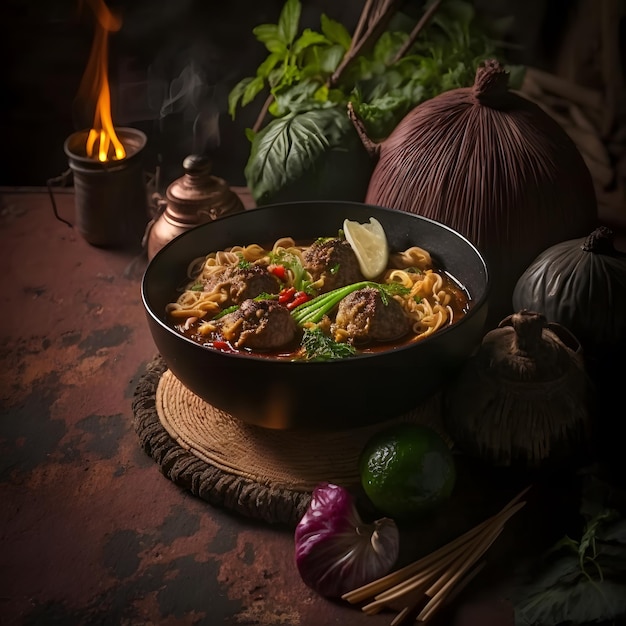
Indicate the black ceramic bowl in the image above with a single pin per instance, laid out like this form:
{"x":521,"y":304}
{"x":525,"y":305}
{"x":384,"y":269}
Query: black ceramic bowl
{"x":318,"y":395}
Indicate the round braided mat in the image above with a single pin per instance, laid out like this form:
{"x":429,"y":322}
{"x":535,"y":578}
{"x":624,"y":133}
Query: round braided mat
{"x":262,"y":473}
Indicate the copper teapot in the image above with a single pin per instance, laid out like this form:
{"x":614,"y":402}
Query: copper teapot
{"x":195,"y":198}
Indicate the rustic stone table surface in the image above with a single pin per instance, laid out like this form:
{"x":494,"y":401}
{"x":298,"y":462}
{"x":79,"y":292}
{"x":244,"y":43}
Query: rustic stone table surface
{"x":91,"y":532}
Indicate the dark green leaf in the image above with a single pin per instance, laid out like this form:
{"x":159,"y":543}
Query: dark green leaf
{"x":236,"y":94}
{"x":300,"y":97}
{"x":321,"y":94}
{"x":270,"y":36}
{"x":287,"y":147}
{"x":388,"y":45}
{"x":252,"y":89}
{"x":264,"y":70}
{"x":335,"y":32}
{"x":289,"y":21}
{"x":275,"y":78}
{"x":291,"y":75}
{"x":307,"y":39}
{"x":329,"y":58}
{"x":382,"y":114}
{"x":582,"y":603}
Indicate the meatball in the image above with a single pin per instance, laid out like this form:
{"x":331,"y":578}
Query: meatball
{"x":334,"y":261}
{"x":243,"y":283}
{"x":259,"y":325}
{"x":366,"y":316}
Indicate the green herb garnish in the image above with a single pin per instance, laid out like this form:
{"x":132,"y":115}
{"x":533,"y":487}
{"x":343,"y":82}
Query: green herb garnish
{"x":315,"y":309}
{"x":301,"y":278}
{"x":320,"y":347}
{"x":226,"y":311}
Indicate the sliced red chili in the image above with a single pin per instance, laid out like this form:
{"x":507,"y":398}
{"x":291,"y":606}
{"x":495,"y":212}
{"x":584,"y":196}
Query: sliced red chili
{"x":286,"y":295}
{"x":278,"y":270}
{"x":299,"y":298}
{"x":221,"y":345}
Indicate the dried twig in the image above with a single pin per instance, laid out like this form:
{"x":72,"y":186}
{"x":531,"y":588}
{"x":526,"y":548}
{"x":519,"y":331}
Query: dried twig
{"x":432,"y":9}
{"x":384,"y":12}
{"x":262,"y":113}
{"x":372,"y":21}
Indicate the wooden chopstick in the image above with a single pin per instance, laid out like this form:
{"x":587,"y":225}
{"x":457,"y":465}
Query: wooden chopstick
{"x":435,"y":578}
{"x":454,"y":576}
{"x":459,"y":586}
{"x":398,"y":576}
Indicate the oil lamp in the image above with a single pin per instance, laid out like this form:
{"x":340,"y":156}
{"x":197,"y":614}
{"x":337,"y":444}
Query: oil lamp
{"x":109,"y":196}
{"x":106,"y":162}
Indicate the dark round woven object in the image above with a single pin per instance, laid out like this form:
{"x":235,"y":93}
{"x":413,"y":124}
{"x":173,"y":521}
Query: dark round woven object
{"x":260,"y":473}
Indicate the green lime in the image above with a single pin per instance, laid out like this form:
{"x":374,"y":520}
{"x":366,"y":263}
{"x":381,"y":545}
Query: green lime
{"x":407,"y":470}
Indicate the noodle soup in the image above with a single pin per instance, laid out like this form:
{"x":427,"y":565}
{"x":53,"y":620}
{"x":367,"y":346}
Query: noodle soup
{"x":311,"y":302}
{"x":277,"y":388}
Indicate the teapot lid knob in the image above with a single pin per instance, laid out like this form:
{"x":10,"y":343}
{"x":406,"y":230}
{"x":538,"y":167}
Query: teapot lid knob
{"x":197,"y":164}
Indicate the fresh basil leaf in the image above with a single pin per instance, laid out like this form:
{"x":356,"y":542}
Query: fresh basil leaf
{"x":265,"y":69}
{"x":287,"y":147}
{"x":388,"y":45}
{"x":453,"y":76}
{"x":335,"y":31}
{"x":252,"y":89}
{"x":307,"y":39}
{"x":289,"y":21}
{"x":321,"y":94}
{"x":270,"y":36}
{"x":381,"y":115}
{"x":322,"y":60}
{"x":300,"y":98}
{"x":290,"y":76}
{"x":236,"y":94}
{"x":282,"y":151}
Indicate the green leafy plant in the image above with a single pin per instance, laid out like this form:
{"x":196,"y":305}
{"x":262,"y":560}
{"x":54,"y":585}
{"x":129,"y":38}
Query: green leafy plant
{"x":311,"y":76}
{"x":297,"y":67}
{"x":580,"y":580}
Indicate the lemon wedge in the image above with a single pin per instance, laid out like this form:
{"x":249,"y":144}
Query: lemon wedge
{"x":370,"y":246}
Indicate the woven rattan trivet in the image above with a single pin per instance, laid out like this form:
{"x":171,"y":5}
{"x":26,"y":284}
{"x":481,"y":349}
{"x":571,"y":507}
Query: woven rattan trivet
{"x":261,"y":473}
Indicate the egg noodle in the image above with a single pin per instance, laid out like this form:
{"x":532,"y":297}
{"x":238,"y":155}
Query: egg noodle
{"x":431,"y":301}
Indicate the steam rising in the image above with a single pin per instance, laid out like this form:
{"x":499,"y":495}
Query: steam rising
{"x":195,"y":101}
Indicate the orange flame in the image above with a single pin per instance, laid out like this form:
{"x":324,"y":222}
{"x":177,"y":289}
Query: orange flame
{"x":102,"y":142}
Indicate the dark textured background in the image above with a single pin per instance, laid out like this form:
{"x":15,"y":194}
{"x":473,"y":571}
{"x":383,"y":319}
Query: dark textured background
{"x":46,"y":43}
